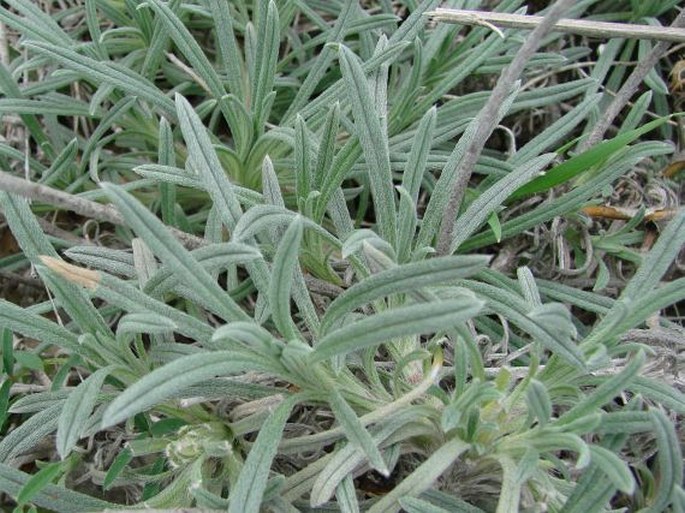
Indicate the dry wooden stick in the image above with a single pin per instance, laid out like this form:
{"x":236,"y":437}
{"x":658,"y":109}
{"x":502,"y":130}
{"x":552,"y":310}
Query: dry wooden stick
{"x":599,"y":29}
{"x":81,"y":206}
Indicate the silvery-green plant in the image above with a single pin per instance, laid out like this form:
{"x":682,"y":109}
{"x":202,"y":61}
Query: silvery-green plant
{"x":310,"y":348}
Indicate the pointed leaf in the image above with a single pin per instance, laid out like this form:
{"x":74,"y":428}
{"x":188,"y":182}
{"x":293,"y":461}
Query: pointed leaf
{"x":355,"y":431}
{"x":171,"y":252}
{"x":414,"y":319}
{"x":614,"y":467}
{"x":166,"y":381}
{"x":77,"y":408}
{"x":285,"y":263}
{"x":374,"y":143}
{"x":246,"y":496}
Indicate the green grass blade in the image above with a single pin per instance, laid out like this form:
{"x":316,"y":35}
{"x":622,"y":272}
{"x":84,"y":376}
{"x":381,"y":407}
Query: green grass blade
{"x":39,"y":481}
{"x":584,"y":162}
{"x":557,"y":131}
{"x":573,"y":199}
{"x":51,"y":497}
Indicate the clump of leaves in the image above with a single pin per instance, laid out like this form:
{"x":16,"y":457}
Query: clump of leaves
{"x":304,"y":347}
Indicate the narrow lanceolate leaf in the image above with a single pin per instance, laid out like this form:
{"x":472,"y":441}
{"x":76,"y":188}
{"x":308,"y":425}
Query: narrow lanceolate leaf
{"x":189,"y":47}
{"x":323,"y":60}
{"x":262,"y":217}
{"x":516,"y":311}
{"x":614,"y":467}
{"x":285,"y":263}
{"x":539,"y":403}
{"x":25,"y":106}
{"x":77,"y":409}
{"x":118,"y":110}
{"x":374,"y":143}
{"x":168,"y":380}
{"x":478,"y":211}
{"x":246,"y":496}
{"x":230,"y":56}
{"x":670,"y":460}
{"x":19,"y":320}
{"x":303,"y":174}
{"x":25,"y":437}
{"x":414,"y":505}
{"x":206,"y":163}
{"x":36,"y":21}
{"x":144,"y":323}
{"x":657,"y":261}
{"x":51,"y":497}
{"x":356,"y":433}
{"x":605,"y":392}
{"x":324,"y":159}
{"x":127,"y":297}
{"x":423,"y":477}
{"x":408,"y":278}
{"x":409,"y":320}
{"x":172,"y":253}
{"x":268,"y":41}
{"x":411,"y":181}
{"x":106,"y":73}
{"x":159,"y":42}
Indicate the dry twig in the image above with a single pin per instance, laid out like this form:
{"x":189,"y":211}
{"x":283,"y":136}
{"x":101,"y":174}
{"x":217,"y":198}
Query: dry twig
{"x":590,"y":28}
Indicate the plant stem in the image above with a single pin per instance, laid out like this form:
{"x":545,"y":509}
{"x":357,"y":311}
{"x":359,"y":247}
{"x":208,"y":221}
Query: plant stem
{"x":486,"y":120}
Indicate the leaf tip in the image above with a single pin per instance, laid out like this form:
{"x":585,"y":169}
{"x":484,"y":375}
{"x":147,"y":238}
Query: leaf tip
{"x":84,"y":277}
